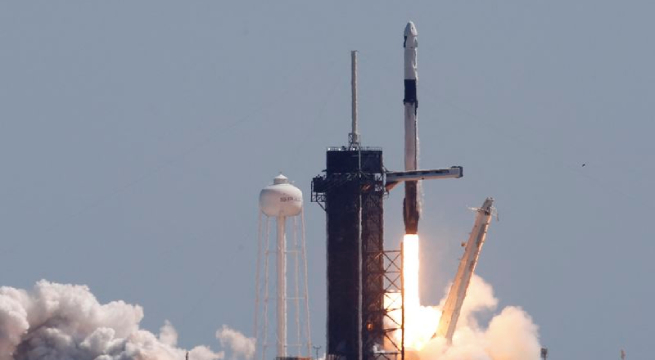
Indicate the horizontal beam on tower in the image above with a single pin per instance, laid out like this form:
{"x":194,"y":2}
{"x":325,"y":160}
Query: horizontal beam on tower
{"x":395,"y":177}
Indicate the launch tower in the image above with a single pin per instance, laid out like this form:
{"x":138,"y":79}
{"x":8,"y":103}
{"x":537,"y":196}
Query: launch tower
{"x":359,"y":271}
{"x":351,"y":192}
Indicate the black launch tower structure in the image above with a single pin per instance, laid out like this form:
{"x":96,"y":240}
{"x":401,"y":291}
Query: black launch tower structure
{"x":359,"y":271}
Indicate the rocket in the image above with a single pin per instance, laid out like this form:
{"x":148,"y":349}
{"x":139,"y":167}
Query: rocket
{"x":411,"y":203}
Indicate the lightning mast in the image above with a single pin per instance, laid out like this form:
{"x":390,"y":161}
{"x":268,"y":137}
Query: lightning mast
{"x":457,"y":293}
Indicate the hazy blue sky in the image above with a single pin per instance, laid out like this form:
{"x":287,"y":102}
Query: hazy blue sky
{"x":135,"y":137}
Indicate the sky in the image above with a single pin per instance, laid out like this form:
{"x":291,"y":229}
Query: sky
{"x":135,"y":137}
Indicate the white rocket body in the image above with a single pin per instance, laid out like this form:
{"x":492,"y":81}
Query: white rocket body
{"x":411,"y":210}
{"x":411,"y":101}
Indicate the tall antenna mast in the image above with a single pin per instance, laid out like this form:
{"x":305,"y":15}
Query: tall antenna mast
{"x":353,"y":138}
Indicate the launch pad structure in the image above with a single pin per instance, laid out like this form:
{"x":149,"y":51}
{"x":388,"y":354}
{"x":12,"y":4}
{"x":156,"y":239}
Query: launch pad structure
{"x":360,"y":272}
{"x":364,"y":281}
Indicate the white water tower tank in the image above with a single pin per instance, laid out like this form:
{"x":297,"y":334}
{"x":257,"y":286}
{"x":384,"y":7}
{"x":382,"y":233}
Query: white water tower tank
{"x":281,"y":198}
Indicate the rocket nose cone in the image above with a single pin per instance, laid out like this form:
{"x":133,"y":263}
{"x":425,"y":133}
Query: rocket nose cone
{"x":410,"y":29}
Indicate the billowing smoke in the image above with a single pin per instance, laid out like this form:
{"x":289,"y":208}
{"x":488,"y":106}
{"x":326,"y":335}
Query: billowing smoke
{"x":66,"y":322}
{"x":239,"y":346}
{"x":509,"y":335}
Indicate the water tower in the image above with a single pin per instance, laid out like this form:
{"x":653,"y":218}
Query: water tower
{"x":282,"y":202}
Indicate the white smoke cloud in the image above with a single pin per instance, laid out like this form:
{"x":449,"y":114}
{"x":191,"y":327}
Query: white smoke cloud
{"x":523,"y":342}
{"x":168,"y":334}
{"x":240,"y":346}
{"x":510,"y":335}
{"x":66,"y":322}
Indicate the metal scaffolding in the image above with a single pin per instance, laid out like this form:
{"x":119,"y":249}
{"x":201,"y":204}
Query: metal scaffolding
{"x":360,"y":273}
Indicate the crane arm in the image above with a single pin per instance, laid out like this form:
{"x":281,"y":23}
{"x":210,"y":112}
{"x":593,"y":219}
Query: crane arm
{"x":465,"y":271}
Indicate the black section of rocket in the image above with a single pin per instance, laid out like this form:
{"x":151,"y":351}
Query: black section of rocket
{"x":410,"y":93}
{"x":410,"y":207}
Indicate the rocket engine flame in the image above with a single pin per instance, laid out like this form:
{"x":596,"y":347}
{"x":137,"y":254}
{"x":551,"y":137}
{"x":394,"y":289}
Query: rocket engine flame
{"x":410,"y":271}
{"x":420,"y":321}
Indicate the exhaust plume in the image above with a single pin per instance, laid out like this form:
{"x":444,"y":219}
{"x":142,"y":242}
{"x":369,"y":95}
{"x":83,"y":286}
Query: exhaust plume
{"x":240,"y":346}
{"x":510,"y":335}
{"x":64,"y":322}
